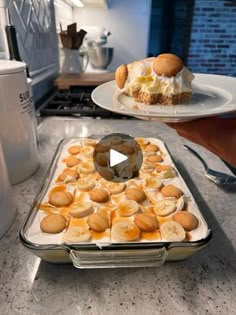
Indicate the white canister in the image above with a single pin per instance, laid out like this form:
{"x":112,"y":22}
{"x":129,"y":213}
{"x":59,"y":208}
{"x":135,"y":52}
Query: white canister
{"x":17,"y":131}
{"x":7,"y":206}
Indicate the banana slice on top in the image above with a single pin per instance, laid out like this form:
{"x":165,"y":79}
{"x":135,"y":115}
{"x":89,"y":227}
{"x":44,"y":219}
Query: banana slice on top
{"x":90,"y":142}
{"x":115,"y":188}
{"x":127,"y":208}
{"x":180,"y":203}
{"x":87,"y":151}
{"x":76,"y":234}
{"x":85,"y":185}
{"x":167,"y":174}
{"x":125,"y":231}
{"x":81,"y":210}
{"x":153,"y":182}
{"x":87,"y":168}
{"x":172,"y":232}
{"x":68,"y":175}
{"x":164,"y":207}
{"x":142,"y":141}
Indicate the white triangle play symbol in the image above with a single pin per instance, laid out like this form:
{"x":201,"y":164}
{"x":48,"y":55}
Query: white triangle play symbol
{"x":116,"y":158}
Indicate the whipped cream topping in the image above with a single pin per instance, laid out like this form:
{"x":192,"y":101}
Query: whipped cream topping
{"x":141,"y":76}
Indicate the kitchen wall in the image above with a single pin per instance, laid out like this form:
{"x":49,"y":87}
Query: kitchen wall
{"x":35,"y":24}
{"x":63,"y":14}
{"x":128,"y":22}
{"x":170,"y":27}
{"x":64,"y":17}
{"x":201,"y":32}
{"x":212,"y":46}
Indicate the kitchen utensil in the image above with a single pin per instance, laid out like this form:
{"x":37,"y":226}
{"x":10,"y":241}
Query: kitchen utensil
{"x":71,"y":39}
{"x":100,"y":57}
{"x":66,"y":40}
{"x":7,"y":206}
{"x":216,"y":177}
{"x":17,"y":130}
{"x":78,"y":38}
{"x":212,"y":95}
{"x":72,"y":29}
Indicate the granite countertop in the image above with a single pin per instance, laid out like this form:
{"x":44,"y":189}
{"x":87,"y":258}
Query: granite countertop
{"x":203,"y":284}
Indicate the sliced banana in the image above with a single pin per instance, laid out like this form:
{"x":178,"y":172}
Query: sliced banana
{"x":142,"y":141}
{"x":167,"y":174}
{"x":90,"y":142}
{"x":180,"y":203}
{"x":172,"y":231}
{"x":82,"y":210}
{"x":87,"y":151}
{"x":69,"y":179}
{"x":68,"y":175}
{"x":76,"y":234}
{"x":149,"y":168}
{"x":87,"y":168}
{"x":153,"y":182}
{"x":115,"y":188}
{"x":125,"y":231}
{"x":86,"y":185}
{"x":164,"y":207}
{"x":127,"y":208}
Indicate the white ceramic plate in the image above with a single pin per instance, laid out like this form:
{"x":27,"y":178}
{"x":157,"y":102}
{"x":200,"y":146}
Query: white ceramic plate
{"x":213,"y":95}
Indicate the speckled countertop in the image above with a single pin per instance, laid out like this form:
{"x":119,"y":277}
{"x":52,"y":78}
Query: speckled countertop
{"x":203,"y":284}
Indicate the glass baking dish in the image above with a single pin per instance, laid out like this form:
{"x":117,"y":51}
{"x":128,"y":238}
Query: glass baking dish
{"x":107,"y":255}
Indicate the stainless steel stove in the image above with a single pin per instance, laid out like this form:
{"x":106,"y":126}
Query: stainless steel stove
{"x":76,"y":102}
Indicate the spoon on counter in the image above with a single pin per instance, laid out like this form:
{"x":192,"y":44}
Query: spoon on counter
{"x":216,"y":177}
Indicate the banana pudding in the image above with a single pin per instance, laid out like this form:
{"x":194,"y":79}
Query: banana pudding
{"x":80,"y":206}
{"x":161,"y":80}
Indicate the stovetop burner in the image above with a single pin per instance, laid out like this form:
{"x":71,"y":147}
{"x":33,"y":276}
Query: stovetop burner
{"x":76,"y":102}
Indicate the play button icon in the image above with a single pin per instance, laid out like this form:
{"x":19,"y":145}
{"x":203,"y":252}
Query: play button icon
{"x":118,"y":157}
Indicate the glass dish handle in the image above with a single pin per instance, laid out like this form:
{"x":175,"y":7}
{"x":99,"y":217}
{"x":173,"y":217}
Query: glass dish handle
{"x":85,"y":259}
